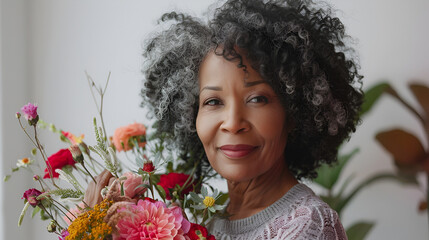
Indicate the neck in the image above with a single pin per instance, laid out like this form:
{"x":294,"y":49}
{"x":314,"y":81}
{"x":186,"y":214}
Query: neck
{"x":250,"y":197}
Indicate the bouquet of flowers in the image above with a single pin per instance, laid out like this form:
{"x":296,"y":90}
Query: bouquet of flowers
{"x":156,"y":199}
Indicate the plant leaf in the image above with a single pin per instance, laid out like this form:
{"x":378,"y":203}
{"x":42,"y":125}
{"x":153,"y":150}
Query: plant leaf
{"x":381,"y":176}
{"x":328,"y":175}
{"x":35,"y":211}
{"x":372,"y":95}
{"x":24,"y":210}
{"x":406,"y":149}
{"x":421,"y":93}
{"x":6,"y":178}
{"x":359,"y":230}
{"x":161,"y":191}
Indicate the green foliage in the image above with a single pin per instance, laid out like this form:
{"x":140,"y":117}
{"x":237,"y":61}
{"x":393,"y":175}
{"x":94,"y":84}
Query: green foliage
{"x":6,"y":178}
{"x":372,"y":95}
{"x":66,"y":193}
{"x":328,"y":175}
{"x":101,"y":140}
{"x":359,"y":230}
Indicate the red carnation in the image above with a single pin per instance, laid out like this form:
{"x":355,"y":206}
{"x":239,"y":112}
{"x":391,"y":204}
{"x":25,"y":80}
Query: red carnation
{"x":171,"y":180}
{"x":31,"y":196}
{"x":198,"y":232}
{"x":57,"y":161}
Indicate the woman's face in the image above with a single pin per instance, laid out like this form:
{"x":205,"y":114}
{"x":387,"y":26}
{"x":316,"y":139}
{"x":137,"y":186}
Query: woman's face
{"x":240,"y":120}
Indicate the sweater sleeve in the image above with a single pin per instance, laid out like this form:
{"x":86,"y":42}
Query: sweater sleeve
{"x":313,"y":222}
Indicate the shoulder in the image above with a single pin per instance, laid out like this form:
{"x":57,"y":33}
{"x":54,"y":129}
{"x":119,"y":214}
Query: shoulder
{"x":311,"y":218}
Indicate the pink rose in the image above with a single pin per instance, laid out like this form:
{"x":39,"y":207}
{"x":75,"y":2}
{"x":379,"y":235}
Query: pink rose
{"x":122,"y":136}
{"x":131,"y":184}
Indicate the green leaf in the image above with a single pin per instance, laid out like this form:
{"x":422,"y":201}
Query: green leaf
{"x":35,"y":211}
{"x":15,"y":169}
{"x":24,"y":210}
{"x":6,"y":178}
{"x":358,"y":231}
{"x":222,"y":198}
{"x":43,"y":215}
{"x":161,"y":191}
{"x":328,"y":175}
{"x":369,"y":181}
{"x":421,"y":93}
{"x":34,"y":151}
{"x":372,"y":95}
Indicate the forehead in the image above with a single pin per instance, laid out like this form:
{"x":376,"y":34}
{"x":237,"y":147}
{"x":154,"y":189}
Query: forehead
{"x":216,"y":68}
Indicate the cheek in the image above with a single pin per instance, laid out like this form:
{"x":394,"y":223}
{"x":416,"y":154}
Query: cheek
{"x":204,"y":126}
{"x":271,"y":125}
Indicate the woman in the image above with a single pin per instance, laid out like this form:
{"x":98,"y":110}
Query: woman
{"x":264,"y":94}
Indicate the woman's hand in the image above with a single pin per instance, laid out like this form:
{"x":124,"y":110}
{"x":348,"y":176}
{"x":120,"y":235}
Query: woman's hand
{"x":93,"y":192}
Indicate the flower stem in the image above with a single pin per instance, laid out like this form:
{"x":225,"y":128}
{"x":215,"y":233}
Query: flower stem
{"x":50,"y":215}
{"x":42,"y":152}
{"x":83,"y":165}
{"x":62,"y":210}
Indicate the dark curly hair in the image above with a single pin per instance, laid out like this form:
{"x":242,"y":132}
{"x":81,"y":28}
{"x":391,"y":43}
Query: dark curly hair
{"x":298,"y":47}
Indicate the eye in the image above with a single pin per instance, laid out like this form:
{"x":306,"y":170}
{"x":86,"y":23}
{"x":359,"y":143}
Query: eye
{"x":258,"y":99}
{"x":212,"y":102}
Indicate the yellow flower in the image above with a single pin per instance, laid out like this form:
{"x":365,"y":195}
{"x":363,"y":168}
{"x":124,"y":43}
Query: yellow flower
{"x":90,"y":224}
{"x":209,"y":201}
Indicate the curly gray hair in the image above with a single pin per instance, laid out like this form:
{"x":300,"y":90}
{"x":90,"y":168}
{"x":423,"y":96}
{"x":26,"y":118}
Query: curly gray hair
{"x":298,"y":48}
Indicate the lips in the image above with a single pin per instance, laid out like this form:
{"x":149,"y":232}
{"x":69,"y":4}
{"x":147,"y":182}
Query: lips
{"x":237,"y":151}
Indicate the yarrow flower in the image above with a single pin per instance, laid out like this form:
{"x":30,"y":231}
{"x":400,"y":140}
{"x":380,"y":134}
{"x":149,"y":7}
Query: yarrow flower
{"x":124,"y":136}
{"x":73,"y":213}
{"x":91,"y":225}
{"x":31,"y":195}
{"x":148,"y":220}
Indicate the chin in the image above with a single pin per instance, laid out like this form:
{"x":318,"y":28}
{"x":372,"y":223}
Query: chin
{"x":235,"y":175}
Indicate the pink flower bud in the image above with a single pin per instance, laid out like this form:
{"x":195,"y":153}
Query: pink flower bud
{"x":29,"y":111}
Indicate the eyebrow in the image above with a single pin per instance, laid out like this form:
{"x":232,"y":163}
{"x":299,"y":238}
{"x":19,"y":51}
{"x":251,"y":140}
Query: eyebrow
{"x":246,"y":84}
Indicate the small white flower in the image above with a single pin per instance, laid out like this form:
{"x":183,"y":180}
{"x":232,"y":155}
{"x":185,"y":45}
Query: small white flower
{"x":206,"y":201}
{"x":24,"y":162}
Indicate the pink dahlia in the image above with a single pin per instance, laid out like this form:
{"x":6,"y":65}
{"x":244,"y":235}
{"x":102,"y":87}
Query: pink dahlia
{"x":148,"y":220}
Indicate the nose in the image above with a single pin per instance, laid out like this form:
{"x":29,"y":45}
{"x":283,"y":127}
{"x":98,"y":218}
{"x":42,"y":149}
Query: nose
{"x":234,"y":120}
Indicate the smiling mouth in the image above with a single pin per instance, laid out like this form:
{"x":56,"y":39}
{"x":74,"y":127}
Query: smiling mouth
{"x":237,"y":151}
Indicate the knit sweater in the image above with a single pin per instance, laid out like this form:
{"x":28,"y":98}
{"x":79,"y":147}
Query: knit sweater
{"x":299,"y":214}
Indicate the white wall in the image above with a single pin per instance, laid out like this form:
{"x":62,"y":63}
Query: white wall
{"x":14,"y":91}
{"x":46,"y":45}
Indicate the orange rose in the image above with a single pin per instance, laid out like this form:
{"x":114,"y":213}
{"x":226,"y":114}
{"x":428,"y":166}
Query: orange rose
{"x":123,"y":135}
